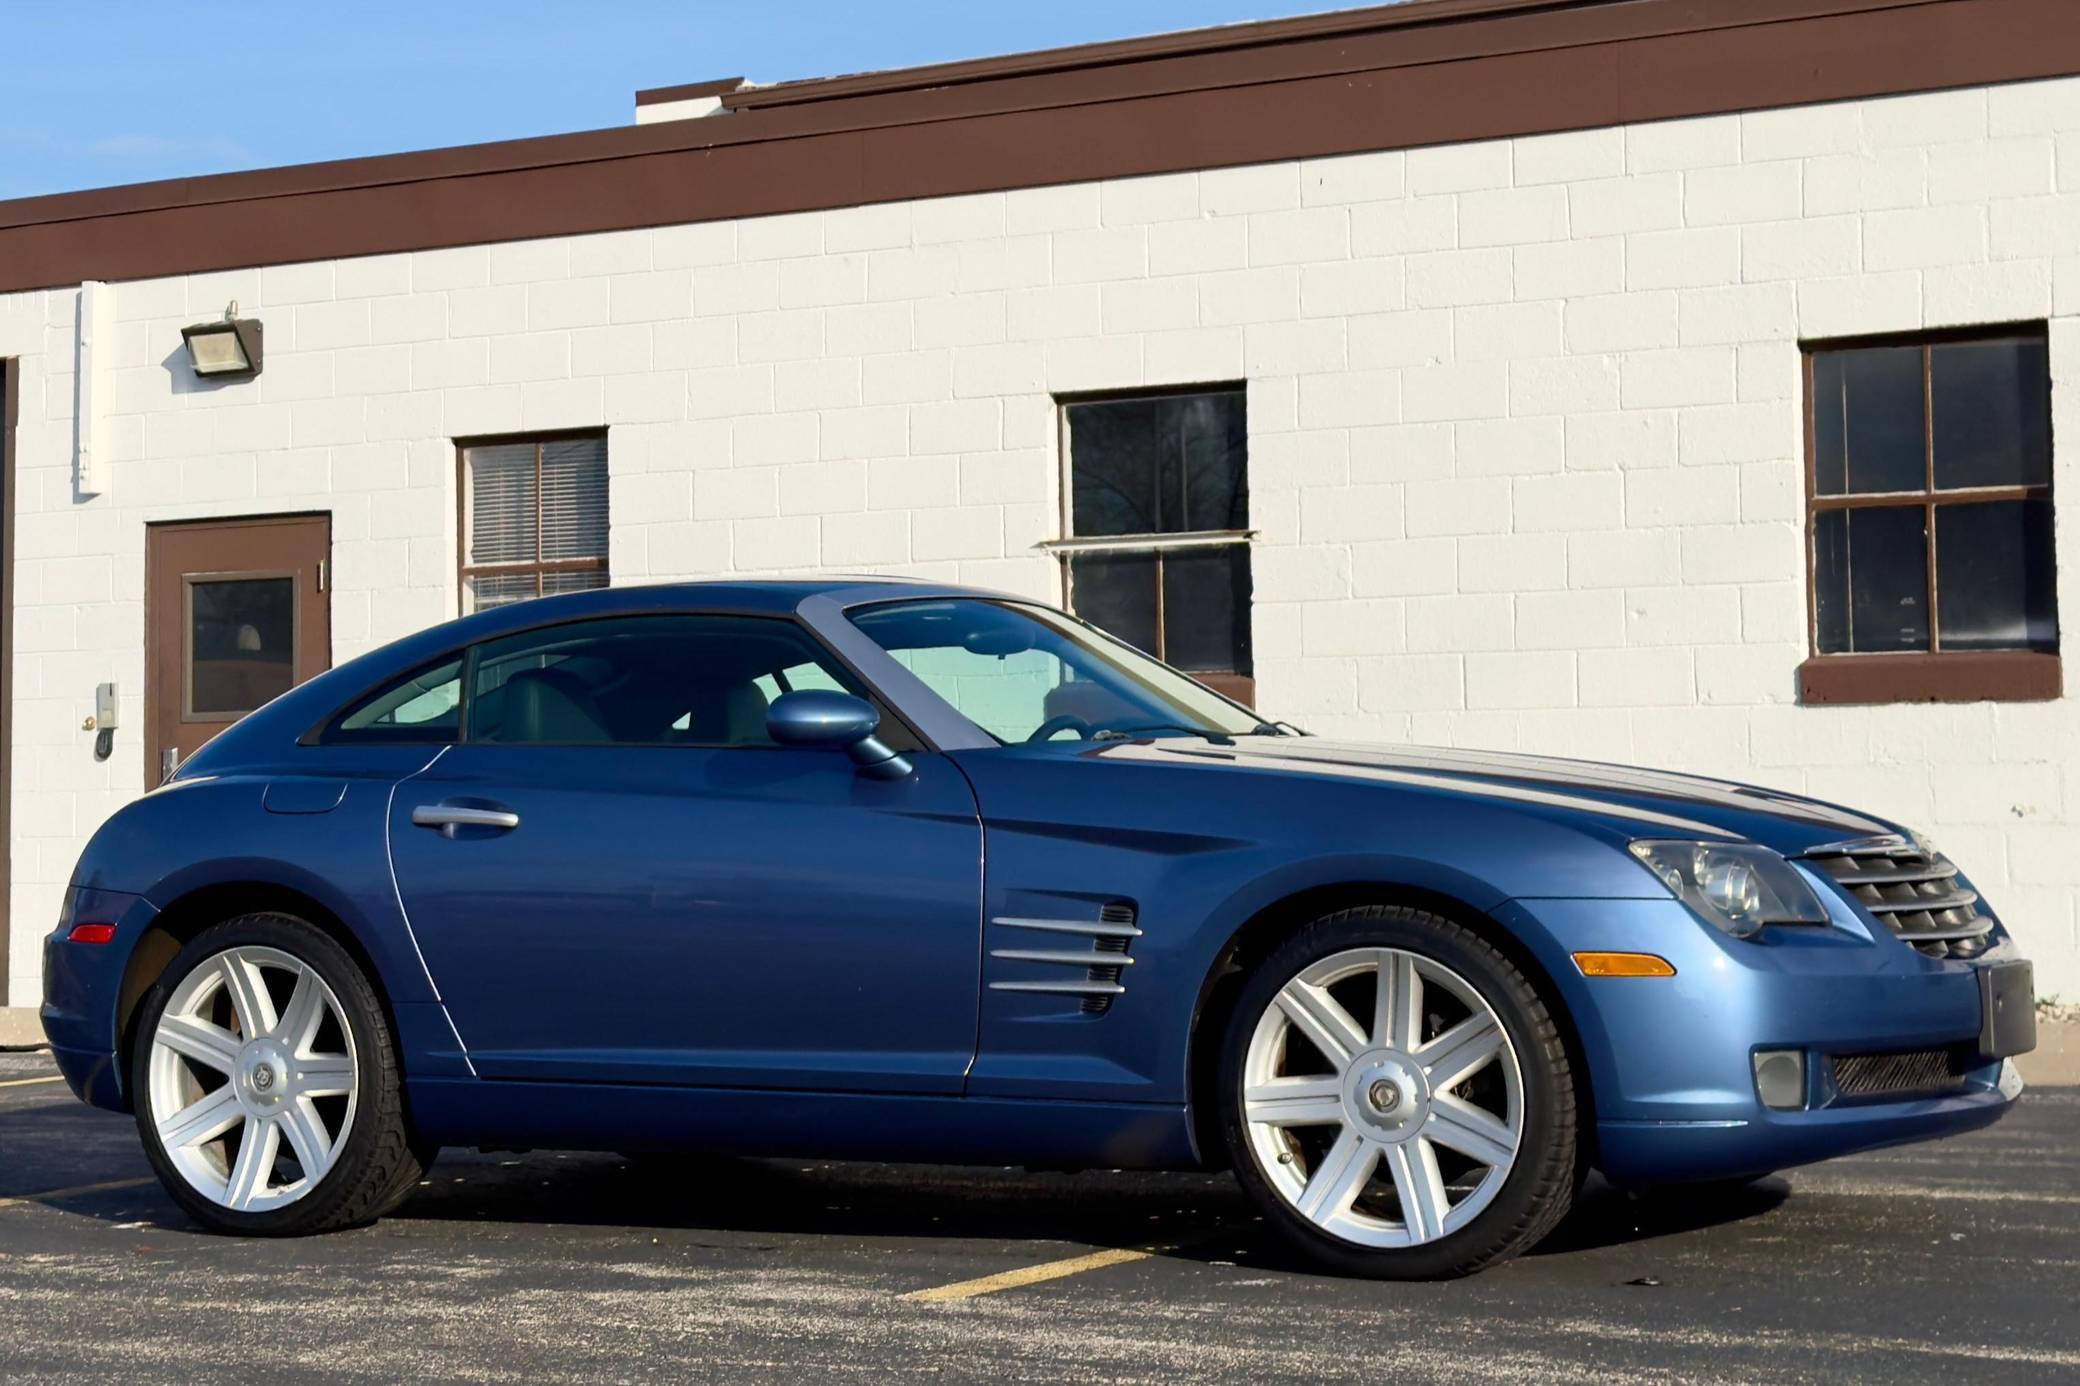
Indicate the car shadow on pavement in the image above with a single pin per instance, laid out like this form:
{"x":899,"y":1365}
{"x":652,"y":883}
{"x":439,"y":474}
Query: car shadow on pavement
{"x":1604,"y":1216}
{"x":1191,"y":1216}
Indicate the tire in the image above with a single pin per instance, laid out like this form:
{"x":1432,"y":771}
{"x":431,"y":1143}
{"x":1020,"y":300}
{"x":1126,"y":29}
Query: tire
{"x":313,"y":1074}
{"x":1499,"y":1132}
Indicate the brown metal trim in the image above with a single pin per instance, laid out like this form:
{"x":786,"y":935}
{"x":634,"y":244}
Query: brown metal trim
{"x":10,"y":417}
{"x":1878,"y":500}
{"x":2008,"y":676}
{"x":1339,"y":42}
{"x":1240,"y":688}
{"x":689,"y":91}
{"x":1418,"y":74}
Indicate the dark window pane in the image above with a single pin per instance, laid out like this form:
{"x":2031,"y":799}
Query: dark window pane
{"x":639,"y":680}
{"x":486,"y":590}
{"x":1870,"y":575}
{"x":1116,"y":592}
{"x":1830,"y":448}
{"x":241,"y":643}
{"x":1206,"y":609}
{"x":1169,"y":465}
{"x":574,"y":498}
{"x":1869,"y":430}
{"x":1995,"y":577}
{"x":1992,"y":414}
{"x":501,"y":504}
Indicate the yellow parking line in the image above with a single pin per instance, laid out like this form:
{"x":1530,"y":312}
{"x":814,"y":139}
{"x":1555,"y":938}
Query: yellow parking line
{"x":53,"y":1195}
{"x":30,"y":1082}
{"x":1029,"y":1275}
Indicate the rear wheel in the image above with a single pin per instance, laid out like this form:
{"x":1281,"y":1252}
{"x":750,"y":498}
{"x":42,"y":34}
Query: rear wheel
{"x":1397,"y":1098}
{"x":267,"y":1086}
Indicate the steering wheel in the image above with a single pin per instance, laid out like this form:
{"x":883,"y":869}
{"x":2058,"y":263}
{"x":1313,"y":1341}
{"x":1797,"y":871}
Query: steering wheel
{"x":1060,"y":722}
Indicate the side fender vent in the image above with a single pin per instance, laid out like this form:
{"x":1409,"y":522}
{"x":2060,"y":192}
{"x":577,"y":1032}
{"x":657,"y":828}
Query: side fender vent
{"x":1103,"y":963}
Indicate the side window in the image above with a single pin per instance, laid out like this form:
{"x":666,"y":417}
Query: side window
{"x":423,"y":706}
{"x":645,"y":681}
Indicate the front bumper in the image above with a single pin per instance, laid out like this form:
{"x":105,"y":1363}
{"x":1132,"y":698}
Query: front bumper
{"x":1671,"y":1060}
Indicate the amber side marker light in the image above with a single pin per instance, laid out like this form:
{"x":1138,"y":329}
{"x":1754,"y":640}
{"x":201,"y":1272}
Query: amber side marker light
{"x":1623,"y":965}
{"x":92,"y":933}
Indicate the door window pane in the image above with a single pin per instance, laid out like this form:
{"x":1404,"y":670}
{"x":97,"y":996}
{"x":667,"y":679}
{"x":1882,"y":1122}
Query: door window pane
{"x":1116,"y":592}
{"x":241,"y":643}
{"x":1870,"y":575}
{"x":1206,"y":609}
{"x":1869,"y":422}
{"x":1994,"y":576}
{"x":1173,"y":464}
{"x":1992,"y":413}
{"x":642,"y":681}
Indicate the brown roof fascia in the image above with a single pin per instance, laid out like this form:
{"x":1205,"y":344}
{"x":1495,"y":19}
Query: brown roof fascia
{"x":1430,"y":72}
{"x":690,"y":91}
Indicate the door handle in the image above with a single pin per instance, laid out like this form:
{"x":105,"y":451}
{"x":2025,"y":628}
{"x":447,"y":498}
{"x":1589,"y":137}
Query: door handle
{"x":448,"y":817}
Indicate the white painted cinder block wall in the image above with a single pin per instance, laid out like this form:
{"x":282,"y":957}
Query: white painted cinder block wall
{"x":1525,"y":434}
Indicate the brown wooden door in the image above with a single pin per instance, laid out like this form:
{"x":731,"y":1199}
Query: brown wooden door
{"x":236,"y":612}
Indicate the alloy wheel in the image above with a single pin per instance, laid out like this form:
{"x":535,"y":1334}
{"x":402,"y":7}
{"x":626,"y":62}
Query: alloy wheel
{"x":252,"y":1083}
{"x":1382,"y":1098}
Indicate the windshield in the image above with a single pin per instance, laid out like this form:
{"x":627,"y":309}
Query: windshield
{"x":1026,"y":673}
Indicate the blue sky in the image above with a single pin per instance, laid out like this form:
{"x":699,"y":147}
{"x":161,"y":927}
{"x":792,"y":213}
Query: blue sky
{"x":124,"y":91}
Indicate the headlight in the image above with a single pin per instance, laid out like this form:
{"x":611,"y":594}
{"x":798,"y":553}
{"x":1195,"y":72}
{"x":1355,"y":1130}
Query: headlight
{"x":1734,"y":887}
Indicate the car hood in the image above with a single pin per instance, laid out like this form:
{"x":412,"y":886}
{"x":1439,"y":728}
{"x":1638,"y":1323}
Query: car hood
{"x":1640,"y":803}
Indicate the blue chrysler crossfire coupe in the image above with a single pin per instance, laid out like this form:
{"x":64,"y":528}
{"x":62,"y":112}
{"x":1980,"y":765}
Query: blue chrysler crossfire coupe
{"x":888,"y":870}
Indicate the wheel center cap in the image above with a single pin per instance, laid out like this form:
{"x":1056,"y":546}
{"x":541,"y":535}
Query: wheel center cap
{"x":263,"y":1074}
{"x":1386,"y":1095}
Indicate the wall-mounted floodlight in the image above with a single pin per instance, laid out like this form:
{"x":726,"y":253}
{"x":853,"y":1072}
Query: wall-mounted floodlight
{"x":226,"y":349}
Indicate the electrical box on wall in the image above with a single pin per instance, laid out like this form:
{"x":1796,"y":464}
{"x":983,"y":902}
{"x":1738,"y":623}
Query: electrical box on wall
{"x":105,"y":706}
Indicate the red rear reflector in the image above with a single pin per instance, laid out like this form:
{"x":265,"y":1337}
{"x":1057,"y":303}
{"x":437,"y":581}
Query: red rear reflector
{"x":92,"y":933}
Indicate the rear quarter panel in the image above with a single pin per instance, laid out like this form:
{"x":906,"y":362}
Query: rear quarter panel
{"x":312,"y":823}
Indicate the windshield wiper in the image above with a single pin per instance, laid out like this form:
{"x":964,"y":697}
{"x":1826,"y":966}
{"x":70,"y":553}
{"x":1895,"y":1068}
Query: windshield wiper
{"x":1274,"y":729}
{"x":1213,"y":734}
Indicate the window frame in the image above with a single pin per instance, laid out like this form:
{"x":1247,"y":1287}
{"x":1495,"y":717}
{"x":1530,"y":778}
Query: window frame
{"x":1237,"y":688}
{"x":1918,"y":676}
{"x":896,"y":729}
{"x":539,"y":567}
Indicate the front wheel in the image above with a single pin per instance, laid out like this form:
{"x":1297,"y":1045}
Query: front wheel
{"x":1397,"y":1098}
{"x":266,"y":1083}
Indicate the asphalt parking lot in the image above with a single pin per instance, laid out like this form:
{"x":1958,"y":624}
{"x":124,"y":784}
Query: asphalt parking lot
{"x":1948,"y":1262}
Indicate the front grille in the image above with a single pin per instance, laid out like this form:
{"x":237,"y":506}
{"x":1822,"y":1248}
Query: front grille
{"x":1914,"y":891}
{"x":1906,"y":1073}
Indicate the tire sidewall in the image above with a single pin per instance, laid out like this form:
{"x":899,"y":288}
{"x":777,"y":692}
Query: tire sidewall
{"x":1521,"y":1012}
{"x":371,"y":1035}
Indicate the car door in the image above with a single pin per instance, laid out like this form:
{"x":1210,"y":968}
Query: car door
{"x":617,"y":875}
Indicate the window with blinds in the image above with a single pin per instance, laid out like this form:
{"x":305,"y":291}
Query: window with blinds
{"x":534,"y":518}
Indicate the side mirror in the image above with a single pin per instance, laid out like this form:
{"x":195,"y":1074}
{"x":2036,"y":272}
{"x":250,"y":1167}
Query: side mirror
{"x":818,"y":718}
